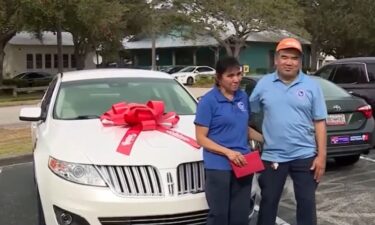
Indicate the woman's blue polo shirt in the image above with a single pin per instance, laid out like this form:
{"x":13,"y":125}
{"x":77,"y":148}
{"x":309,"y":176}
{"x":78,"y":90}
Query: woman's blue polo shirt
{"x":227,"y":123}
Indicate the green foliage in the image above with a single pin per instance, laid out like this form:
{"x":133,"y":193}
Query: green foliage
{"x":341,"y":28}
{"x":230,"y":22}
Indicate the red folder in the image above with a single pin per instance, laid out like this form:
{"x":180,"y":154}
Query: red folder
{"x":254,"y":164}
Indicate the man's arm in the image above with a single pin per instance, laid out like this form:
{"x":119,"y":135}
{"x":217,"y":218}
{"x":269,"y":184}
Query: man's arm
{"x":255,"y":135}
{"x":319,"y":163}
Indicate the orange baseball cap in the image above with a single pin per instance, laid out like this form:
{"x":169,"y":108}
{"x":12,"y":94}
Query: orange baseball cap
{"x":289,"y":43}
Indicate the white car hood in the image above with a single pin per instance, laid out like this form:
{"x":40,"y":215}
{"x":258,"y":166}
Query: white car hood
{"x":88,"y":141}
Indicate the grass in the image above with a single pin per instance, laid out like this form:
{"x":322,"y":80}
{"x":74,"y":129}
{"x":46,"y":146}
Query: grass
{"x":204,"y":83}
{"x":15,"y":141}
{"x":21,"y":99}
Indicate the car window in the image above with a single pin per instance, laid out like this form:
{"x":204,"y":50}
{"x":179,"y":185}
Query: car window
{"x":325,"y":72}
{"x":96,"y":96}
{"x":204,"y":69}
{"x":331,"y":90}
{"x":347,"y":73}
{"x":188,"y":69}
{"x":247,"y":85}
{"x":371,"y":72}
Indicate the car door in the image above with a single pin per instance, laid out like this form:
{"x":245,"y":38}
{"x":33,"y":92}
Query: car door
{"x":248,"y":85}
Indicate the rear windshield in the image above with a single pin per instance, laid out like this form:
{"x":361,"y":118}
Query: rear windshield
{"x":331,"y":90}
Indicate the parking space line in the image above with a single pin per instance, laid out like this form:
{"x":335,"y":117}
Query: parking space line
{"x":368,"y":159}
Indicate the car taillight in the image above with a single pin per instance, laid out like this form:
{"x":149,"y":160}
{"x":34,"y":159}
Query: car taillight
{"x":366,"y":110}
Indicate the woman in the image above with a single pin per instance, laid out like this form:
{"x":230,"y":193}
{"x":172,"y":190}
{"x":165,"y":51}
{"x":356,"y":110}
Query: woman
{"x":223,"y":132}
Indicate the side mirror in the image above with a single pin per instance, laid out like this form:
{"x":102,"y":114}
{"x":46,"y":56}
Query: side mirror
{"x":30,"y":114}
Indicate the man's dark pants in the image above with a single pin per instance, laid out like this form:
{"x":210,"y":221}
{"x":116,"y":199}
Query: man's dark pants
{"x":272,"y":182}
{"x":228,"y":198}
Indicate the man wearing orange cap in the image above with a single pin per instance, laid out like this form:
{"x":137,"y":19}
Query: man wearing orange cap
{"x":294,"y":134}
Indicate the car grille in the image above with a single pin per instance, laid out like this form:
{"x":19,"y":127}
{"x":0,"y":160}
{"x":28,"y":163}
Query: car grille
{"x":133,"y":180}
{"x":195,"y":218}
{"x":190,"y":178}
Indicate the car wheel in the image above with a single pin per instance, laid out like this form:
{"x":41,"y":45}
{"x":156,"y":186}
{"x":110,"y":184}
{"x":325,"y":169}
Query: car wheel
{"x":347,"y":160}
{"x":190,"y":81}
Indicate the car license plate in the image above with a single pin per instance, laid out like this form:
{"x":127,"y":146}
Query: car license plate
{"x":336,"y":120}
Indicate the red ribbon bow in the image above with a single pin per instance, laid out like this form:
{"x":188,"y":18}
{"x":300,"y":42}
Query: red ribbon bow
{"x":141,"y":117}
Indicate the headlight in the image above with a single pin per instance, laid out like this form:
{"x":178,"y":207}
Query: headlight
{"x":74,"y":172}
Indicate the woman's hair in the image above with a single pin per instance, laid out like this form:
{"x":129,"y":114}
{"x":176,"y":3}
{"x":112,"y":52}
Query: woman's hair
{"x":223,"y":65}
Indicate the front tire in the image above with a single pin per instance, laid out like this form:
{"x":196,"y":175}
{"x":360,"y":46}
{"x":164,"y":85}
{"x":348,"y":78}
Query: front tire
{"x":347,"y":160}
{"x":190,"y":81}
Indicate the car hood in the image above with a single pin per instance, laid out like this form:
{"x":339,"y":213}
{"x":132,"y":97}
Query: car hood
{"x":88,"y":141}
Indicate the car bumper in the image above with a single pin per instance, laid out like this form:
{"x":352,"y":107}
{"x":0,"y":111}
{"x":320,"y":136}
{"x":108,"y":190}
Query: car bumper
{"x":92,"y":203}
{"x":182,"y":80}
{"x":336,"y":151}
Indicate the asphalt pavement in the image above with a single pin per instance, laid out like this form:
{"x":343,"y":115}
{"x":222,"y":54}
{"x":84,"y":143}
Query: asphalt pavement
{"x":346,"y":195}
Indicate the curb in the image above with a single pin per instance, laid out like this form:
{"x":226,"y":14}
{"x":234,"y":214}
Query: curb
{"x":16,"y":159}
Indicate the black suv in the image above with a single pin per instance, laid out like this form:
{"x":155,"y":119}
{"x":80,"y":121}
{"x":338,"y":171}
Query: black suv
{"x":356,"y":75}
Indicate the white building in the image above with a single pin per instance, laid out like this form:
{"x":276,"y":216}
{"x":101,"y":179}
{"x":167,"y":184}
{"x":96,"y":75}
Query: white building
{"x":26,"y":53}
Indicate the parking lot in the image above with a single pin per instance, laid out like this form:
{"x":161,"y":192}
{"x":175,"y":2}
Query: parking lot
{"x":346,"y":195}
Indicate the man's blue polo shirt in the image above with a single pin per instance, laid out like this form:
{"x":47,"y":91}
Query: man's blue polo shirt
{"x":227,"y":122}
{"x":289,"y":112}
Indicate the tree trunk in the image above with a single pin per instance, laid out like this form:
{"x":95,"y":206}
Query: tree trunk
{"x":81,"y":61}
{"x":4,"y":38}
{"x":314,"y":55}
{"x":59,"y":47}
{"x":153,"y":52}
{"x":237,"y":50}
{"x":228,"y":49}
{"x":2,"y":56}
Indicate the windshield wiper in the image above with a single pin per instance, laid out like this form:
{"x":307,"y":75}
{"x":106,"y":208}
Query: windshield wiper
{"x":84,"y":117}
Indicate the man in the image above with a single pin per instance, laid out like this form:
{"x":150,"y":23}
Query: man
{"x":294,"y":134}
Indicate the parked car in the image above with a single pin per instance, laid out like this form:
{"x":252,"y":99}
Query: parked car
{"x":173,"y":69}
{"x":350,"y":125}
{"x":356,"y":75}
{"x":79,"y":175}
{"x":33,"y":79}
{"x":189,"y":74}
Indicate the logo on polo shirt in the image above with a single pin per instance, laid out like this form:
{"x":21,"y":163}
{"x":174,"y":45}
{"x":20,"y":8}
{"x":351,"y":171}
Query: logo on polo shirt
{"x":301,"y":93}
{"x":241,"y":106}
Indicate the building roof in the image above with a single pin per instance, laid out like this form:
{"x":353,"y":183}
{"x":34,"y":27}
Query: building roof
{"x":48,"y":38}
{"x":174,"y":41}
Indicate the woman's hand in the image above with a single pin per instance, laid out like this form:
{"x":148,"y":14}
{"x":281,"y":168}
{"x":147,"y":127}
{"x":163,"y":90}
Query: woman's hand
{"x":236,"y":157}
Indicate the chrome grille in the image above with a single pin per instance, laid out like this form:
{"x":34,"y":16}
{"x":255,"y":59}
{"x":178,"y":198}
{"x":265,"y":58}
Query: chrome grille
{"x":190,"y":178}
{"x":133,"y":180}
{"x":196,"y":218}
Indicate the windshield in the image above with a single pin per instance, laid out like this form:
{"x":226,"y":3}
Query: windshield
{"x":331,"y":90}
{"x":188,"y":69}
{"x":87,"y":99}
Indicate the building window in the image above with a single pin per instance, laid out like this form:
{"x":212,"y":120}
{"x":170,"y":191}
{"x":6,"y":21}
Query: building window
{"x":66,"y":60}
{"x":73,"y":62}
{"x":56,"y":61}
{"x":38,"y":61}
{"x":29,"y":61}
{"x":47,"y":61}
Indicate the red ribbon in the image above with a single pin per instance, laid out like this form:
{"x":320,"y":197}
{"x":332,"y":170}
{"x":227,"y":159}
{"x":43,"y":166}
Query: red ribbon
{"x":142,"y":117}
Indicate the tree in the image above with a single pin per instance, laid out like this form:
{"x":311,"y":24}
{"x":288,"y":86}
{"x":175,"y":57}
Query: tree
{"x":152,"y":19}
{"x":231,"y":22}
{"x":91,"y":22}
{"x":10,"y":23}
{"x":341,"y":28}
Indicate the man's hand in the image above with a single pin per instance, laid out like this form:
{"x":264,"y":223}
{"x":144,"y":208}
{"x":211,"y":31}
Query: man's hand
{"x":319,"y":165}
{"x":236,"y":157}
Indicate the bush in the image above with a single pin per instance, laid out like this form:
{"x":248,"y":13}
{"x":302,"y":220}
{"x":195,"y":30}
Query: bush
{"x":204,"y":81}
